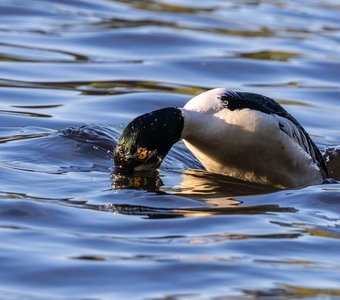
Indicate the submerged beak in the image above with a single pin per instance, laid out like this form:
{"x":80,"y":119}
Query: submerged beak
{"x":128,"y":163}
{"x":150,"y":164}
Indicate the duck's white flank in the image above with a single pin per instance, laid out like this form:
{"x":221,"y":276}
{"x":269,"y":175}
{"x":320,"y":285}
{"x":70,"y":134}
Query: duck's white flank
{"x":246,"y":144}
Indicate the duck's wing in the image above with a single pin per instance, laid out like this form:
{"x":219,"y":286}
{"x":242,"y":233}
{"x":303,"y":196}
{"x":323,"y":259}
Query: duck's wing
{"x":287,"y":123}
{"x":299,"y":135}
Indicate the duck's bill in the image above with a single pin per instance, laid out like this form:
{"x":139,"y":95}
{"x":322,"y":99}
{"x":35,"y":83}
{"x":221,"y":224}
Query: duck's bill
{"x":133,"y":165}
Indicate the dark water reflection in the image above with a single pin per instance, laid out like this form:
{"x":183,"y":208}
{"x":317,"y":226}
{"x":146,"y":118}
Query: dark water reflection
{"x":74,"y":73}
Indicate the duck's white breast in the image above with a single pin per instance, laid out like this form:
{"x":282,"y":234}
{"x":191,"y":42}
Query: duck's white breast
{"x":246,"y":144}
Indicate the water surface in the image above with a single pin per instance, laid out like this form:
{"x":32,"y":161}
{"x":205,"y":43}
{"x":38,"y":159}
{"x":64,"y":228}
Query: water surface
{"x":74,"y":73}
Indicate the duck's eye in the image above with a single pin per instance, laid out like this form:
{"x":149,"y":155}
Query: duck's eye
{"x":142,"y":154}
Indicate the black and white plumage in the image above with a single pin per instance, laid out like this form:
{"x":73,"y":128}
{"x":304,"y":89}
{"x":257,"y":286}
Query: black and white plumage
{"x":242,"y":135}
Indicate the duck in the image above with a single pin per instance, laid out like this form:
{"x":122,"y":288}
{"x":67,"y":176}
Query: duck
{"x":243,"y":135}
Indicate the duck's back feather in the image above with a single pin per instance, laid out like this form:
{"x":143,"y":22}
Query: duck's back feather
{"x":287,"y":123}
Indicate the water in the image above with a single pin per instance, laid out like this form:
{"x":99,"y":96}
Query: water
{"x":74,"y":73}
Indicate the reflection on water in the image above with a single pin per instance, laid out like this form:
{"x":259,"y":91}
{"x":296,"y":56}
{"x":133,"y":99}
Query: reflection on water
{"x":147,"y":182}
{"x":74,"y":73}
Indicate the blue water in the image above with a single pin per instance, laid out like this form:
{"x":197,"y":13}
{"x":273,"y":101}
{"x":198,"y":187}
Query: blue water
{"x":74,"y":73}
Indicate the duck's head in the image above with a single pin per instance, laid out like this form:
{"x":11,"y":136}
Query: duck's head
{"x":147,"y":139}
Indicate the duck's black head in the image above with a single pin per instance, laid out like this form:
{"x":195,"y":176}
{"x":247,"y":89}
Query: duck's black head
{"x":147,"y":139}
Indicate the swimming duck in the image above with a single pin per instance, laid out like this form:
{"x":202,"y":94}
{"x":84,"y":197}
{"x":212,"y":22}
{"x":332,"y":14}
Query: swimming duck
{"x":243,"y":135}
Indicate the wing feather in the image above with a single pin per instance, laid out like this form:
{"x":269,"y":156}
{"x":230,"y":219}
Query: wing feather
{"x":287,"y":123}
